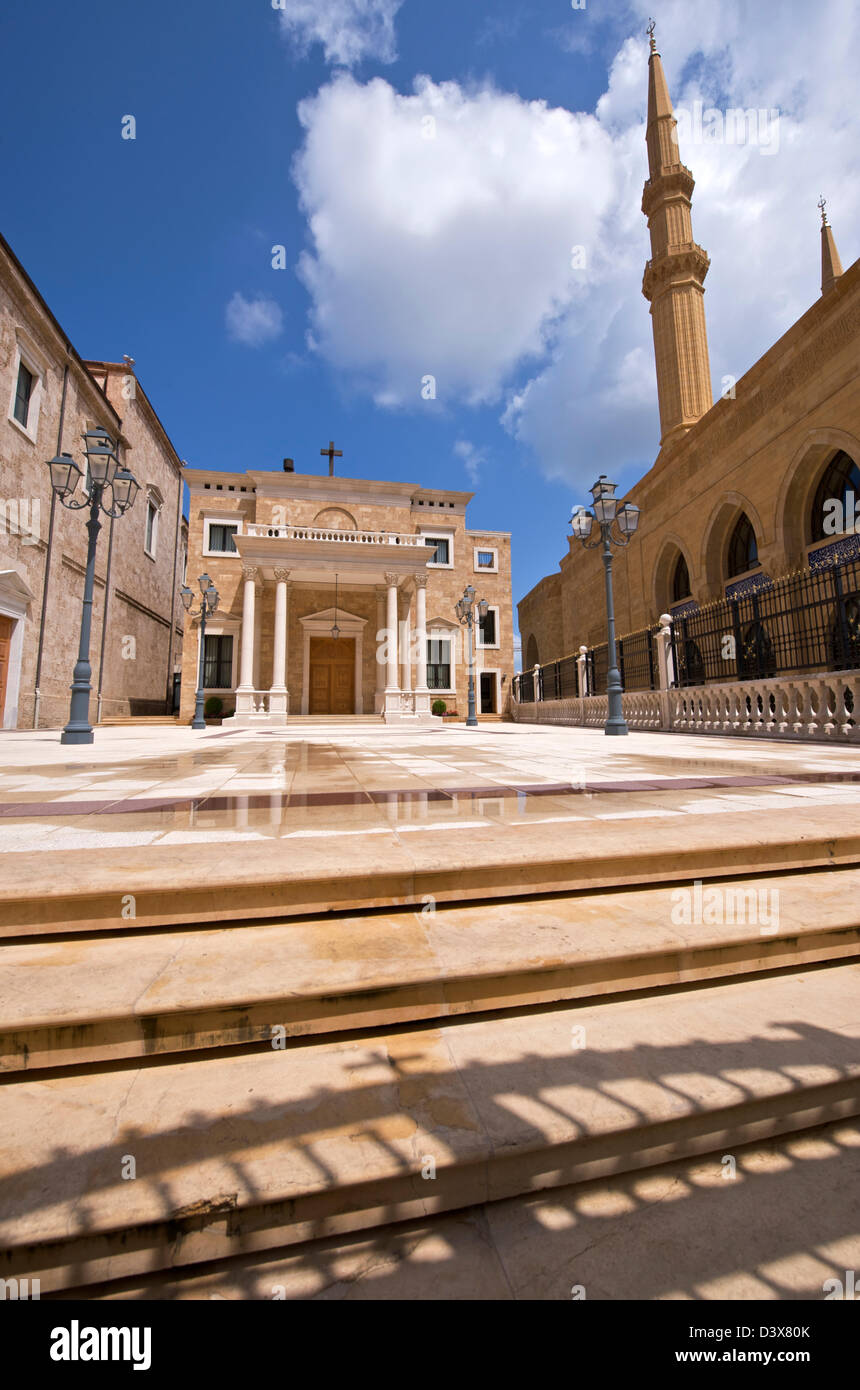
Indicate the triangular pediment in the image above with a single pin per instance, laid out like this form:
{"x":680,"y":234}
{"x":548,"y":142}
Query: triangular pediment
{"x":442,"y":623}
{"x":326,"y":616}
{"x":13,"y":586}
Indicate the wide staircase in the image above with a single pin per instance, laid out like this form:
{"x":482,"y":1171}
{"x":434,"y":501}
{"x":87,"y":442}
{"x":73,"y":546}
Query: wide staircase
{"x":183,"y":1097}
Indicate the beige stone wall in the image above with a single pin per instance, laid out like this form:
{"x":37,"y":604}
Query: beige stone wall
{"x":145,"y":588}
{"x":27,"y":326}
{"x":762,"y":453}
{"x":540,"y":623}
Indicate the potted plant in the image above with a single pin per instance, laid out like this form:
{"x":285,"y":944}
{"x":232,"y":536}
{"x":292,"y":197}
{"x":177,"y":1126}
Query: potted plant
{"x":438,"y":707}
{"x":213,"y":707}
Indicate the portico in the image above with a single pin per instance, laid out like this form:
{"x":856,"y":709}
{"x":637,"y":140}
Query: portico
{"x":292,"y":659}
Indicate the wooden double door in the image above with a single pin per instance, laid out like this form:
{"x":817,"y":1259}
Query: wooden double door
{"x":332,"y":675}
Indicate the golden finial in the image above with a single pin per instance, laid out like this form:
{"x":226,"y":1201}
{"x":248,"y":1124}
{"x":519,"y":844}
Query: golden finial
{"x":822,"y":203}
{"x":650,"y":31}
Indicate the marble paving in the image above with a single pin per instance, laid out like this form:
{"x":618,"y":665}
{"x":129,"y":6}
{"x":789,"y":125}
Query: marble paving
{"x":165,"y":786}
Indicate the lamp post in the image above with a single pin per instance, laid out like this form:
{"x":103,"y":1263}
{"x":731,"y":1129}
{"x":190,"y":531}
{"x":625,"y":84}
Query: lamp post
{"x":208,"y":603}
{"x":112,"y":490}
{"x":625,"y":519}
{"x":466,"y":613}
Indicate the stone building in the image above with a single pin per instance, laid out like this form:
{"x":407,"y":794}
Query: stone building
{"x":295,"y":555}
{"x":742,"y":490}
{"x":48,"y":397}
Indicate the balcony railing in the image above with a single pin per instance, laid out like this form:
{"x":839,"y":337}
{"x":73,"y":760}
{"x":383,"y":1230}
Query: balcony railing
{"x":325,"y":533}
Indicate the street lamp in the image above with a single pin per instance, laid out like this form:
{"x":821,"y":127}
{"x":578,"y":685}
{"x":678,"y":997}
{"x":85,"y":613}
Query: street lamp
{"x":625,"y":519}
{"x":208,"y":603}
{"x":466,"y":613}
{"x":104,"y":475}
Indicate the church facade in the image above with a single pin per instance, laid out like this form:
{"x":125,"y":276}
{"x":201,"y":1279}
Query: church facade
{"x":337,"y":596}
{"x":755,"y":486}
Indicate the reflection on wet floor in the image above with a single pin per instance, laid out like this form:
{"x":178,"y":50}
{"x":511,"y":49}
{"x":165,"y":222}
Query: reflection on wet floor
{"x":294,"y":785}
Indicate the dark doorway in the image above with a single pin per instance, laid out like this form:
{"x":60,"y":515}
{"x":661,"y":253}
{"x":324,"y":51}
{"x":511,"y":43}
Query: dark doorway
{"x":488,"y":693}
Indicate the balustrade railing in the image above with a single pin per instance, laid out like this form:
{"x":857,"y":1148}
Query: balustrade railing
{"x":325,"y":533}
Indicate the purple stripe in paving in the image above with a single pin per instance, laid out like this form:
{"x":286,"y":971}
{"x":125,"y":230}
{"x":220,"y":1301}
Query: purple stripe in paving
{"x":218,"y":801}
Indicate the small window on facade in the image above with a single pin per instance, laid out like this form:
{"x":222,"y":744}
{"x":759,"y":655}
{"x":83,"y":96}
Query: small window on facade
{"x":221,"y":538}
{"x":838,"y":493}
{"x":218,"y":663}
{"x":680,"y":581}
{"x":441,"y":548}
{"x":488,"y":629}
{"x":438,"y":664}
{"x":151,"y":527}
{"x":743,"y":549}
{"x":23,"y":392}
{"x":486,"y":560}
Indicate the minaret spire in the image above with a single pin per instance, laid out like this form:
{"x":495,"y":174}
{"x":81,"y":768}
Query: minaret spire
{"x":831,"y":265}
{"x":674,"y":276}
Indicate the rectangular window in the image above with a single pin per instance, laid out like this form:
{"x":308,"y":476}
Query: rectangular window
{"x":221,"y":538}
{"x":151,"y":528}
{"x":488,"y":629}
{"x":23,"y":392}
{"x":441,"y":548}
{"x":438,"y":664}
{"x":486,"y":559}
{"x":218,"y":663}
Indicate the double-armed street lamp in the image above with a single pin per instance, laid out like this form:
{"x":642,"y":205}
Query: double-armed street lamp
{"x":208,"y":603}
{"x":466,"y":613}
{"x":625,"y":520}
{"x":109,"y":489}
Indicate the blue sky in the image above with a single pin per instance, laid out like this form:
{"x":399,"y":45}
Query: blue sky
{"x":429,"y":169}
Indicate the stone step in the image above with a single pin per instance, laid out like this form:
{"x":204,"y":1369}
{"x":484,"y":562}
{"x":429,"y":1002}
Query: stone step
{"x":695,"y":1229}
{"x":102,"y":998}
{"x":194,"y":880}
{"x":142,"y":721}
{"x":134,"y":1169}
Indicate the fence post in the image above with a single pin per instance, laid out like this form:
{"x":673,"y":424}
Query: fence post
{"x":844,"y":647}
{"x":665,"y":667}
{"x":581,"y":676}
{"x":538,"y":683}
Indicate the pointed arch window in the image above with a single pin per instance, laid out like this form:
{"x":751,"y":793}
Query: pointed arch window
{"x":840,"y":483}
{"x":743,"y":548}
{"x":680,"y":580}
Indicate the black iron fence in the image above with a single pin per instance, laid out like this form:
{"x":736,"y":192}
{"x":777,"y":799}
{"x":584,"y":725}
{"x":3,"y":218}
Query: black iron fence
{"x":803,"y":623}
{"x":808,"y":621}
{"x":556,"y":680}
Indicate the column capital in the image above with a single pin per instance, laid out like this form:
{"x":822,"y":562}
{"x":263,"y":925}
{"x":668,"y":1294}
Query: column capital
{"x":392,"y":580}
{"x":282,"y":575}
{"x":421,"y":581}
{"x":250,"y":572}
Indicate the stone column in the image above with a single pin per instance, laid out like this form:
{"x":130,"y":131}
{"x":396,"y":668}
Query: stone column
{"x":665,"y":671}
{"x":582,"y":673}
{"x":359,"y":672}
{"x":278,"y":691}
{"x":244,"y":690}
{"x":422,"y":694}
{"x":405,"y":655}
{"x":379,"y":698}
{"x":391,"y":686}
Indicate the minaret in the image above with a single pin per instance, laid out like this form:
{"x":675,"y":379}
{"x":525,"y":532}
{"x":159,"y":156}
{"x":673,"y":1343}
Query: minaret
{"x":831,"y":266}
{"x":674,"y":276}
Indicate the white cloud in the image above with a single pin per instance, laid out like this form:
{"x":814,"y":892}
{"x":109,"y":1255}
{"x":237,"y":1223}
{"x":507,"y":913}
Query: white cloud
{"x":253,"y":321}
{"x":442,"y":223}
{"x":349,"y":30}
{"x":472,"y":457}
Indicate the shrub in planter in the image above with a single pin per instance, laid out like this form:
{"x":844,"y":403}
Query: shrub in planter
{"x":438,"y":707}
{"x":213,"y":707}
